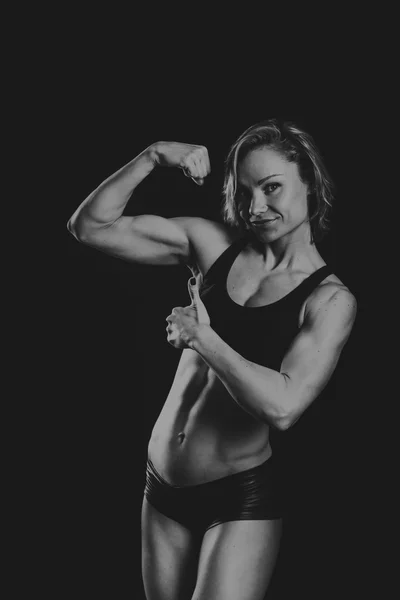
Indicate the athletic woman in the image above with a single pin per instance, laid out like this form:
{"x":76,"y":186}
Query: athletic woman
{"x":260,"y":340}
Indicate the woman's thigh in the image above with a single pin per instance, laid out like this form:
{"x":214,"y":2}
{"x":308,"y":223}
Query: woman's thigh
{"x":237,"y":560}
{"x":169,"y":556}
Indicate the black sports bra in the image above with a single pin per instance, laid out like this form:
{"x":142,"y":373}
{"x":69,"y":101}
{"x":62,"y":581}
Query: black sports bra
{"x":260,"y":334}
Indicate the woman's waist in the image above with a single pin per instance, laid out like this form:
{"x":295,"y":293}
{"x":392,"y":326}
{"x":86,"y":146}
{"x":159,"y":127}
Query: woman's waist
{"x":192,"y":407}
{"x":195,"y":455}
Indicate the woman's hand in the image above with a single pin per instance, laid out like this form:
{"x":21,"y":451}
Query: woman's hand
{"x":192,"y":159}
{"x":183,"y":323}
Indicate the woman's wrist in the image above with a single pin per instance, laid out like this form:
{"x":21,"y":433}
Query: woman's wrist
{"x":152,"y":153}
{"x":201,"y":337}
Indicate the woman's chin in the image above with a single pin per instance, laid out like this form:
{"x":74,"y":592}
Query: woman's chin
{"x":265,"y":235}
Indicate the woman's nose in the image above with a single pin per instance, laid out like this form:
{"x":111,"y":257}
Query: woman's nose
{"x":258,"y":204}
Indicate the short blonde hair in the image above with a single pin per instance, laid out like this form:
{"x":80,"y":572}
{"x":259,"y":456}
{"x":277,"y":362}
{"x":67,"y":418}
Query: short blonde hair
{"x":295,"y":145}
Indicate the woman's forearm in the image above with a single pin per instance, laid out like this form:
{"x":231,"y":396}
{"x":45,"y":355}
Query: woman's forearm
{"x":258,"y":390}
{"x":107,"y":202}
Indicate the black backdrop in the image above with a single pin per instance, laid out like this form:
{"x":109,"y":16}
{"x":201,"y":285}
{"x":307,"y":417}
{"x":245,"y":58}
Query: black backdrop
{"x":118,"y":365}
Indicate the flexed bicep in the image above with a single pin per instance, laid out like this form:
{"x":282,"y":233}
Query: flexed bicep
{"x":149,"y":239}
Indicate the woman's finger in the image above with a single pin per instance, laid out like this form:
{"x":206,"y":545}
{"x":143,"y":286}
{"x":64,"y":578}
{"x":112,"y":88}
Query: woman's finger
{"x":192,"y":169}
{"x":203,"y":164}
{"x":200,"y":170}
{"x":197,"y":303}
{"x":189,"y":167}
{"x":207,"y":161}
{"x":193,"y":292}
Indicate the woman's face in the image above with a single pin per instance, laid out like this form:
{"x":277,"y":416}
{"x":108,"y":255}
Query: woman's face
{"x":272,"y":199}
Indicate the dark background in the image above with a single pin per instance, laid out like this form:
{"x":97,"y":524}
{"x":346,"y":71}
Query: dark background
{"x":118,"y":366}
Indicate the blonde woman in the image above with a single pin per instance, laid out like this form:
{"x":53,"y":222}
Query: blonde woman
{"x":260,"y":340}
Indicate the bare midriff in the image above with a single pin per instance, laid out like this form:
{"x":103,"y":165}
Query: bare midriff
{"x":202,"y":434}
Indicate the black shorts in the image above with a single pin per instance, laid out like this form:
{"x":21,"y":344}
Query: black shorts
{"x":247,"y":495}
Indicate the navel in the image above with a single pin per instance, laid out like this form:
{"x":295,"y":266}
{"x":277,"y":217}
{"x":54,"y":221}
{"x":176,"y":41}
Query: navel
{"x":181,"y":438}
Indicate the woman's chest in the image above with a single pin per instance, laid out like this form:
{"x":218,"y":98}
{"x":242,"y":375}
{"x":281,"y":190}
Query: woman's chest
{"x":249,"y":284}
{"x":260,"y":334}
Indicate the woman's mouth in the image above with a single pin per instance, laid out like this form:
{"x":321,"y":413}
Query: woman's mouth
{"x":264,"y":222}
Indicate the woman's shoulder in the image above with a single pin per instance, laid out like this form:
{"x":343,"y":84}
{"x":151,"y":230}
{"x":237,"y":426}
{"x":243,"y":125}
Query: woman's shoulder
{"x":331,"y":285}
{"x":332,"y":291}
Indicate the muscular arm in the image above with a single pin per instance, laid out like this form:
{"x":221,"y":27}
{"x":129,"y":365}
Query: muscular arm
{"x":107,"y":202}
{"x":280,"y":398}
{"x":146,"y":239}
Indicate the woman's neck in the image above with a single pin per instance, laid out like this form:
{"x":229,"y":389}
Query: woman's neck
{"x":289,"y":252}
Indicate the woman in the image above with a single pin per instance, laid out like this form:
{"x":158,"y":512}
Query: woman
{"x":261,"y":338}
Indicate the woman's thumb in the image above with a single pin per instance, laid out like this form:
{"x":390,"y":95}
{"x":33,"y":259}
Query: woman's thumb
{"x":193,"y":291}
{"x":197,"y":302}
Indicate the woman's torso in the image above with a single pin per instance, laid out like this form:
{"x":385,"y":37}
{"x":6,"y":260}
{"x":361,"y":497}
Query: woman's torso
{"x":201,"y":433}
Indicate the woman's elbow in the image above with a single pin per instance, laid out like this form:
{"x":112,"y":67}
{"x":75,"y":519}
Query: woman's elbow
{"x":79,"y":228}
{"x":282,"y":423}
{"x":283,"y":420}
{"x":72,"y":226}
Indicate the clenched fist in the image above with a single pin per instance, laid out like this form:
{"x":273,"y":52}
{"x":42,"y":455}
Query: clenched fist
{"x":192,"y":159}
{"x":183,"y":322}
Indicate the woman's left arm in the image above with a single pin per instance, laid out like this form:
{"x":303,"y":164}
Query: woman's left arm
{"x":280,"y":398}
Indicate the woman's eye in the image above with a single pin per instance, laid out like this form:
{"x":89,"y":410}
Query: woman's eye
{"x":271,"y":187}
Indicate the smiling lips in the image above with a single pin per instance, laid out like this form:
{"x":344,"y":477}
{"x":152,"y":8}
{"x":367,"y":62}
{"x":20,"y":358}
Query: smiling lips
{"x":263,"y":221}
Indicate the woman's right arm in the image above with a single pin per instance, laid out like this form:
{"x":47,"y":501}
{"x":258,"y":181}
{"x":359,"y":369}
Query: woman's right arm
{"x":146,"y":239}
